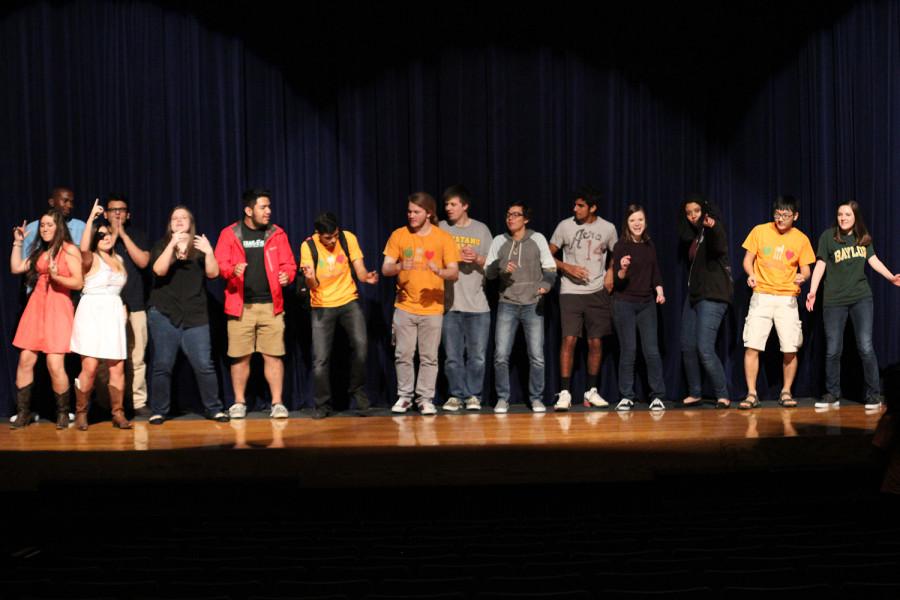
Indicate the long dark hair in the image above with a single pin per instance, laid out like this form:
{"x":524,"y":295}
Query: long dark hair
{"x":626,"y":234}
{"x":192,"y":231}
{"x":860,"y":231}
{"x":52,"y":247}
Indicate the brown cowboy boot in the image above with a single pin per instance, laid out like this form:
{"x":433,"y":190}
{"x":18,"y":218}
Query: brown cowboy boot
{"x":23,"y":407}
{"x":62,"y":409}
{"x":82,"y":403}
{"x":116,"y":403}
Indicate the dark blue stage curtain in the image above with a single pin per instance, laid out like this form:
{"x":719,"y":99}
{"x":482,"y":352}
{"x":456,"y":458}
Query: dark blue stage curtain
{"x":191,"y":103}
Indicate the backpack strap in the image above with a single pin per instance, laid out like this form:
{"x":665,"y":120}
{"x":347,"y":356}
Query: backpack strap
{"x":345,"y":247}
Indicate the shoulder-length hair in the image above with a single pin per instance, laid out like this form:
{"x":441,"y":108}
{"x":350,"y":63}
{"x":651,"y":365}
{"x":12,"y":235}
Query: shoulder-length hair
{"x":192,"y":231}
{"x":860,"y":231}
{"x":626,"y":234}
{"x":425,"y":201}
{"x":52,"y":247}
{"x":96,"y":237}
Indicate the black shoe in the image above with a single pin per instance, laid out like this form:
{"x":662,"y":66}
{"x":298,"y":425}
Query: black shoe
{"x":143,"y":412}
{"x":321,"y":412}
{"x":219,"y":417}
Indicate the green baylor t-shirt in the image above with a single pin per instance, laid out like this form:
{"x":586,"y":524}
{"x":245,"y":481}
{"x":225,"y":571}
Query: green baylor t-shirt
{"x":845,"y":269}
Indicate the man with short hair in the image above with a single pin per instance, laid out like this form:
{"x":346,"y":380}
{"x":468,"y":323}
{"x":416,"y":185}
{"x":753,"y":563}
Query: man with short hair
{"x":777,"y":264}
{"x":255,"y":259}
{"x":422,"y":257}
{"x":584,"y":301}
{"x":326,"y":260}
{"x":62,"y":199}
{"x":467,"y":322}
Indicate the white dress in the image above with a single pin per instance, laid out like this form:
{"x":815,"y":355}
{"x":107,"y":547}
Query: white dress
{"x":99,"y":328}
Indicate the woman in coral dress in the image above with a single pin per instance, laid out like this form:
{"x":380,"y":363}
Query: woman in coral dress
{"x":53,"y":270}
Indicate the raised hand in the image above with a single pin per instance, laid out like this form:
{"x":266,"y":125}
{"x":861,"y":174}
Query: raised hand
{"x":625,"y":262}
{"x":467,"y":255}
{"x":19,"y":232}
{"x":709,"y":222}
{"x":511,"y":267}
{"x":96,"y":210}
{"x":896,"y":280}
{"x":202,"y":244}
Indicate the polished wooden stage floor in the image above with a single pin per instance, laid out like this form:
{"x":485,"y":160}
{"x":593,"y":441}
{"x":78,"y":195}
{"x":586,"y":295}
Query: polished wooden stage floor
{"x":483,"y":448}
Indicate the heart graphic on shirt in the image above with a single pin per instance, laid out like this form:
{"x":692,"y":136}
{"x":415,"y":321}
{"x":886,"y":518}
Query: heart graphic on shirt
{"x":340,"y":258}
{"x":429,"y":254}
{"x":767,"y":250}
{"x":408,"y":252}
{"x":789,"y":254}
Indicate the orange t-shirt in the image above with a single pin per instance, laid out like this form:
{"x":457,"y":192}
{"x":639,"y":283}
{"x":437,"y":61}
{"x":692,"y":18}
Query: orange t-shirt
{"x":419,"y":290}
{"x":778,"y":255}
{"x":336,"y":286}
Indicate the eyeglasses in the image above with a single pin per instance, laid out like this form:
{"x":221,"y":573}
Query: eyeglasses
{"x":783,"y":216}
{"x":513,"y":215}
{"x":104,"y":234}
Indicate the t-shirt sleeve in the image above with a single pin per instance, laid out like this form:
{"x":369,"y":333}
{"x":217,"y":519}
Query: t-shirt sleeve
{"x":485,"y":241}
{"x":822,"y":251}
{"x":870,"y":251}
{"x":305,"y":254}
{"x":450,"y":250}
{"x":547,"y":262}
{"x":156,"y":251}
{"x":392,"y":248}
{"x":353,"y":247}
{"x":807,"y":256}
{"x":751,"y":244}
{"x":558,"y":238}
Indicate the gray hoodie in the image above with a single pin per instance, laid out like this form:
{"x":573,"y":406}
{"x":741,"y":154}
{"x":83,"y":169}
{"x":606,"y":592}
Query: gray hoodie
{"x":537,"y":269}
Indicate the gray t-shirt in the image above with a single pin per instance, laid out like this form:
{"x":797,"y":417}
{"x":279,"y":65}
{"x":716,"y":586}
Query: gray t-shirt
{"x":585,"y":245}
{"x":467,"y":294}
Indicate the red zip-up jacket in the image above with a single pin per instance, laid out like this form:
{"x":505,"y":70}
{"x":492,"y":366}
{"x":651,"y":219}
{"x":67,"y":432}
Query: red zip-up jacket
{"x":278,"y":258}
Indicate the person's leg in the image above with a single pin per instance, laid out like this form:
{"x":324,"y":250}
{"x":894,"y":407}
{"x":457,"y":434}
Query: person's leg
{"x":757,"y":327}
{"x":25,"y":368}
{"x":273,"y":369}
{"x":59,"y":379}
{"x":84,"y":384}
{"x":647,"y":326}
{"x":270,"y":343}
{"x":571,"y":316}
{"x":751,"y":369}
{"x":24,"y":383}
{"x":117,"y":393}
{"x":353,"y":321}
{"x":478,"y":330}
{"x":790,"y":339}
{"x":863,"y":314}
{"x":709,"y":319}
{"x":689,"y":356}
{"x":240,"y":373}
{"x":455,"y":341}
{"x":834,"y":319}
{"x":598,"y":324}
{"x":789,"y":370}
{"x":624,"y":319}
{"x":241,"y":346}
{"x":429,"y":340}
{"x":196,"y":345}
{"x":533,"y":327}
{"x":322,"y":320}
{"x":405,"y":333}
{"x":166,"y":340}
{"x":504,"y":336}
{"x":137,"y":348}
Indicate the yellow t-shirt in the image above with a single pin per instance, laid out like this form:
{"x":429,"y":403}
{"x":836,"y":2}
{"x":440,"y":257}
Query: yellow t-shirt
{"x":419,"y":290}
{"x":336,"y":286}
{"x":777,"y":258}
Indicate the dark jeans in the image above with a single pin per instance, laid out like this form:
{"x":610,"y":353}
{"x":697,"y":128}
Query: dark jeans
{"x":862,"y":314}
{"x":194,"y":342}
{"x":509,"y":316}
{"x":351,"y":318}
{"x":465,"y":333}
{"x":699,"y":329}
{"x":630,"y":318}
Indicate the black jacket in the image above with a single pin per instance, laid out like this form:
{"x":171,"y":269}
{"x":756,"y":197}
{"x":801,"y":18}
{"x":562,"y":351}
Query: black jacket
{"x":709,"y":274}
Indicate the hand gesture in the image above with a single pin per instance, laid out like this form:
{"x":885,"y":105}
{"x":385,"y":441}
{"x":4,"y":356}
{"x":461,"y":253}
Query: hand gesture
{"x":467,"y":255}
{"x":202,"y":244}
{"x":751,"y":281}
{"x":511,"y":267}
{"x":179,"y":238}
{"x":371,"y":277}
{"x":542,"y":291}
{"x":283,"y":278}
{"x":660,"y":298}
{"x":625,"y":262}
{"x":580,"y":273}
{"x":810,"y":301}
{"x":239,"y":269}
{"x":96,"y":210}
{"x":896,"y":280}
{"x":799,"y":279}
{"x":709,"y":222}
{"x":308,"y":271}
{"x":19,"y":232}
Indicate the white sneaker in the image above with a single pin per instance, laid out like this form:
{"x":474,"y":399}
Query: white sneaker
{"x":873,"y":403}
{"x":827,"y":401}
{"x":502,"y":407}
{"x":452,"y":404}
{"x":473,"y":403}
{"x":279,"y":411}
{"x":238,"y":410}
{"x":426,"y":407}
{"x":401,"y":405}
{"x":538,"y":406}
{"x":563,"y":401}
{"x":593,"y":398}
{"x":657,"y":404}
{"x":624,"y":404}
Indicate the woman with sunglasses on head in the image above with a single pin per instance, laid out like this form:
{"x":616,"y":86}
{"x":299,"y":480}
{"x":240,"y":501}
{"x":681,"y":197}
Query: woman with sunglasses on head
{"x":99,"y":330}
{"x":843,"y":252}
{"x":52,"y":269}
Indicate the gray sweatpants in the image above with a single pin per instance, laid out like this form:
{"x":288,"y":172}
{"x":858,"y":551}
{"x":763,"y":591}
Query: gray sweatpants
{"x":409,"y":331}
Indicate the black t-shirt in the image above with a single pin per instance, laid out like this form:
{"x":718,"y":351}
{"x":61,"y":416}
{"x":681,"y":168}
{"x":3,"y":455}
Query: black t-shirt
{"x":256,"y":284}
{"x":181,"y":293}
{"x":133,"y":293}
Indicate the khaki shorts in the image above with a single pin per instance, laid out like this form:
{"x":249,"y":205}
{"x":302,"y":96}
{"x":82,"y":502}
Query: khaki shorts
{"x":257,"y":330}
{"x":766,"y":309}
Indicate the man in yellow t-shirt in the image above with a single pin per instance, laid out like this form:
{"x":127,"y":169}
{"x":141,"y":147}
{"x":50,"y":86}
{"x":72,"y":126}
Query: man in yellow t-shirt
{"x":334,"y":300}
{"x":777,"y":263}
{"x":422,"y":257}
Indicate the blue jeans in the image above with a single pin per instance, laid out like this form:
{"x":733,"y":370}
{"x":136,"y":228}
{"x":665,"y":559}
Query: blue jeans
{"x":508,"y":318}
{"x":630,"y":318}
{"x":194,"y":342}
{"x":351,"y":318}
{"x":699,"y":329}
{"x":465,"y":333}
{"x":862,"y":313}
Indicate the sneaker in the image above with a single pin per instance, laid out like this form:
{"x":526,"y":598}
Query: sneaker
{"x":538,"y":406}
{"x":473,"y":403}
{"x":238,"y":410}
{"x":426,"y":407}
{"x":156,"y":419}
{"x":279,"y":411}
{"x":827,"y":401}
{"x":625,"y":404}
{"x":657,"y":404}
{"x":593,"y":398}
{"x":873,"y":403}
{"x":452,"y":404}
{"x":401,"y":405}
{"x":502,"y":407}
{"x":563,"y":401}
{"x":221,"y":417}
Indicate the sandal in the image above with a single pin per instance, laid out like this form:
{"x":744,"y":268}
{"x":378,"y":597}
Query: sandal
{"x":747,"y":403}
{"x":723,"y":403}
{"x":692,"y":401}
{"x":787,"y":400}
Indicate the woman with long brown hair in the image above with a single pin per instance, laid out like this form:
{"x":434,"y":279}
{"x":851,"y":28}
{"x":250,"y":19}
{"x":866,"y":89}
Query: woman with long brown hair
{"x":52,"y":269}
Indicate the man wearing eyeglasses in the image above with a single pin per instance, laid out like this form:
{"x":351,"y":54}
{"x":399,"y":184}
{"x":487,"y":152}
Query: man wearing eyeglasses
{"x":777,"y":264}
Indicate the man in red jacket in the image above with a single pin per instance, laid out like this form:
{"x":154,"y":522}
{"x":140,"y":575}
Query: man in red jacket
{"x":255,"y":260}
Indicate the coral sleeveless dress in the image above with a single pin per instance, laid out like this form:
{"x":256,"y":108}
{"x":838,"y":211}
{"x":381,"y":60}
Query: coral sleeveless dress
{"x":99,"y":328}
{"x":46,"y":324}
